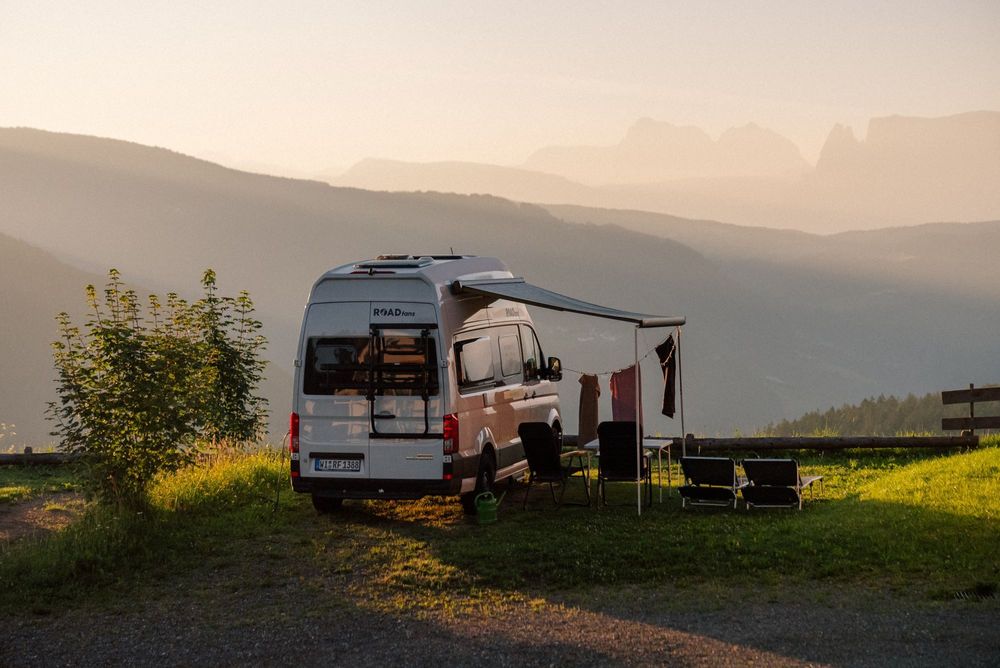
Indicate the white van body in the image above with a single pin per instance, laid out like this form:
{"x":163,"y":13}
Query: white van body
{"x":392,"y":367}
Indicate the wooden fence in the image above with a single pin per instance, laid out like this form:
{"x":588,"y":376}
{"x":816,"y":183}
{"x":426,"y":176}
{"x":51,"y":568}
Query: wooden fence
{"x":967,"y":440}
{"x":971,"y":396}
{"x":29,"y":458}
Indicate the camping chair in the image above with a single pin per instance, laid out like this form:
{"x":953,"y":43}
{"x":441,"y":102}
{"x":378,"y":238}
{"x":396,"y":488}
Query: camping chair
{"x":616,"y":458}
{"x":776,"y":483}
{"x":710,"y":481}
{"x":547,"y":464}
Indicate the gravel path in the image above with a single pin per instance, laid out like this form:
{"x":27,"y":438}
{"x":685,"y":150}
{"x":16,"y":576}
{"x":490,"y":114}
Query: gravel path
{"x":211,"y":620}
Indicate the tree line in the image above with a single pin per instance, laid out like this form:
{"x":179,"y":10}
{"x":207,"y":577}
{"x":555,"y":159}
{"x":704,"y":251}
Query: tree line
{"x":875,"y":416}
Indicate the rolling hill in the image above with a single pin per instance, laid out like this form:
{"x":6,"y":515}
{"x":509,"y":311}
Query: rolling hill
{"x":753,"y":354}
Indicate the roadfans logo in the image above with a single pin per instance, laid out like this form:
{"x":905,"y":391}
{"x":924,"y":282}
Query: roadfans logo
{"x":381,"y":312}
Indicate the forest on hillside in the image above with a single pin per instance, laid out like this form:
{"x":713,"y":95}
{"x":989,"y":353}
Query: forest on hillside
{"x":875,"y":416}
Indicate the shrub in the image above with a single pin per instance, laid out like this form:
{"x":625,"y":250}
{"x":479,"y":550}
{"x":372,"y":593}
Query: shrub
{"x":139,"y":389}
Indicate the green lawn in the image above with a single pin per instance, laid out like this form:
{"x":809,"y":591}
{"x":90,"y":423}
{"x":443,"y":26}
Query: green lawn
{"x":21,"y":482}
{"x":923,"y":523}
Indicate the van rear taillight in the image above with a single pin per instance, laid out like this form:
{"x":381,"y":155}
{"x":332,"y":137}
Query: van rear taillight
{"x":450,"y":433}
{"x":293,"y":443}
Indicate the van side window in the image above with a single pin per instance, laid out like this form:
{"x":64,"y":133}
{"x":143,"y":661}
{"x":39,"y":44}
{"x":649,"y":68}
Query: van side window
{"x":531,"y":352}
{"x":510,"y":357}
{"x":474,"y":358}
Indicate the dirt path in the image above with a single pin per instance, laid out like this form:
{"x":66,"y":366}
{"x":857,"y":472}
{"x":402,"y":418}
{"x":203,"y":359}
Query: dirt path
{"x":41,"y":514}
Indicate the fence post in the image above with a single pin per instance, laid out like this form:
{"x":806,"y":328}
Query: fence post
{"x":972,"y":410}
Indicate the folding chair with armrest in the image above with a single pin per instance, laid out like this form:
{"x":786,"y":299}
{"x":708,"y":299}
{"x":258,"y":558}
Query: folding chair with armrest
{"x":616,"y":458}
{"x":547,"y":464}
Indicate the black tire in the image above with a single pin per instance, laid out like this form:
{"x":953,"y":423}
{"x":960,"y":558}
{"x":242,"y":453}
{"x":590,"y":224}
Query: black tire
{"x":325,"y":505}
{"x":485,"y":480}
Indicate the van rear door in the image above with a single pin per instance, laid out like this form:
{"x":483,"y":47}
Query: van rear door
{"x":332,"y":404}
{"x":407,"y":403}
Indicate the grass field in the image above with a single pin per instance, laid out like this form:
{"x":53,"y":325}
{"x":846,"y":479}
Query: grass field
{"x":22,"y":482}
{"x":923,"y":523}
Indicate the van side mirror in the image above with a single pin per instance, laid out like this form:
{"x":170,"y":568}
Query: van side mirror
{"x":553,"y":371}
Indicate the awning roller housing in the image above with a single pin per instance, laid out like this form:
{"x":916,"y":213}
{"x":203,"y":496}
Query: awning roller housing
{"x":515,"y":289}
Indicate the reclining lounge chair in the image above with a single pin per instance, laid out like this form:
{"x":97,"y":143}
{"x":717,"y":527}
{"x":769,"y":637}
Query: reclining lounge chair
{"x":775,"y":483}
{"x":710,"y":481}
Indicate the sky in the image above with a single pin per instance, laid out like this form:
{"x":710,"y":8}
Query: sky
{"x":309,"y":88}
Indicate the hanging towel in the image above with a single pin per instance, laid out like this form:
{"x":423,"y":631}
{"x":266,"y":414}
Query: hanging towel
{"x":667,"y":352}
{"x":590,"y":390}
{"x":623,"y":399}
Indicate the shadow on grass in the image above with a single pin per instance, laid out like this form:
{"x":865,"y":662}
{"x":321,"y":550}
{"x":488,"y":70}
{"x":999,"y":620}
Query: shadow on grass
{"x":894,"y":551}
{"x":851,"y":539}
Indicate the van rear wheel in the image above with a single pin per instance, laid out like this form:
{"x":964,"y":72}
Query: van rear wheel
{"x":326,"y":504}
{"x":484,"y":482}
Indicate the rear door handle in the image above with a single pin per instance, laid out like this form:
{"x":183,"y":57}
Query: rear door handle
{"x":384,"y":416}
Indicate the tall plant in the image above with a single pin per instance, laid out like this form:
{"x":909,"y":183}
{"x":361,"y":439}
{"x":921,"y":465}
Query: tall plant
{"x":230,"y":337}
{"x":140,"y":389}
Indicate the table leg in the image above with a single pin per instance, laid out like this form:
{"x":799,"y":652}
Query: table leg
{"x":659,"y":471}
{"x":670,"y":482}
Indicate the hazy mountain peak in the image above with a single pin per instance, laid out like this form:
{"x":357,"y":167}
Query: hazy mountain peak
{"x":839,"y":150}
{"x":655,"y":151}
{"x":759,"y":151}
{"x":911,"y":169}
{"x":968,"y":143}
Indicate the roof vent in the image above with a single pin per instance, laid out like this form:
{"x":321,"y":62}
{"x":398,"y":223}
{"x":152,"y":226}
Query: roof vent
{"x":395,"y":262}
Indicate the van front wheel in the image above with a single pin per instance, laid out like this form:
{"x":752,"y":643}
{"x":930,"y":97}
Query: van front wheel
{"x":484,"y":482}
{"x":326,"y":504}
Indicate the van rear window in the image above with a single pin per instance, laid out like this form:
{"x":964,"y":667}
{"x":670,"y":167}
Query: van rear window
{"x":399,"y":366}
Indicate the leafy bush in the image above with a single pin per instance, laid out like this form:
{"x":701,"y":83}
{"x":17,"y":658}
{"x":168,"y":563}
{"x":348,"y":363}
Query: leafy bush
{"x":139,"y":389}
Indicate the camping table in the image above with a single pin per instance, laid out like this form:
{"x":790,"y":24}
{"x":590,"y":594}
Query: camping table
{"x":651,"y":444}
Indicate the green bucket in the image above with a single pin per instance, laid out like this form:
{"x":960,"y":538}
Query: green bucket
{"x":486,"y":508}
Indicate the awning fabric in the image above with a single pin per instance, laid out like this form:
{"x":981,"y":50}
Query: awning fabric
{"x":516,"y":290}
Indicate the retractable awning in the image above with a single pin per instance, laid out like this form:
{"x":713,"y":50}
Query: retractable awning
{"x":515,"y":289}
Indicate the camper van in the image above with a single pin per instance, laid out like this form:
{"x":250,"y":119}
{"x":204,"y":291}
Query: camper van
{"x":407,"y":387}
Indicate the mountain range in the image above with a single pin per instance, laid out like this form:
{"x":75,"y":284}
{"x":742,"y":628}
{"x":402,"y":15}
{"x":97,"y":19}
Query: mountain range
{"x":906,"y":171}
{"x":780,"y":322}
{"x":655,"y":151}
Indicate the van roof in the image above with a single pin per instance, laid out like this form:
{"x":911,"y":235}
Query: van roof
{"x":433,"y":268}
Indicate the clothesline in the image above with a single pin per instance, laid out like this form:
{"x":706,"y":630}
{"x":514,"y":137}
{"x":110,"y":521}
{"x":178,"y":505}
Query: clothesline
{"x":614,"y":371}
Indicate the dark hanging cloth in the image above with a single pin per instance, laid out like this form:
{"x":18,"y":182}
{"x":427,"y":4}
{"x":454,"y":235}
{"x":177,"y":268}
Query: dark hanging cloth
{"x":624,"y":402}
{"x":667,"y":352}
{"x":590,"y":390}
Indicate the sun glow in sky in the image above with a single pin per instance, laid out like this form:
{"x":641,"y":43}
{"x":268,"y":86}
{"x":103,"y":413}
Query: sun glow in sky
{"x":311,"y":87}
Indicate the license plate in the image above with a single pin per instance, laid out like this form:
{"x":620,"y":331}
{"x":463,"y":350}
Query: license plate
{"x":350,"y":465}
